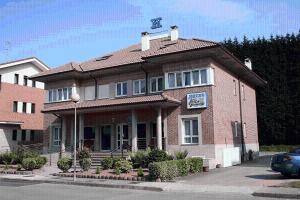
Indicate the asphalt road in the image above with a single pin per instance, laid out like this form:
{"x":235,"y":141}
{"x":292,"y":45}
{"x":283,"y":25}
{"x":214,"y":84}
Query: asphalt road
{"x":11,"y":190}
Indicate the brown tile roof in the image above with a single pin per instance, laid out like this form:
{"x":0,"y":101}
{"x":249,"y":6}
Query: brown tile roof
{"x":61,"y":69}
{"x":133,"y":54}
{"x":114,"y":102}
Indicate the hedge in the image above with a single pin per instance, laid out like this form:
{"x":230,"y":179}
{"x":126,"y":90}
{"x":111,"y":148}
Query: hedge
{"x":278,"y":148}
{"x":195,"y":164}
{"x":168,"y":170}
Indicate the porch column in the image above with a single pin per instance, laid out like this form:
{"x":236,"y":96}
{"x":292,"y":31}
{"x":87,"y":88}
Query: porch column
{"x":81,"y":131}
{"x":63,"y":135}
{"x":97,"y":139}
{"x":134,"y":131}
{"x":159,"y":129}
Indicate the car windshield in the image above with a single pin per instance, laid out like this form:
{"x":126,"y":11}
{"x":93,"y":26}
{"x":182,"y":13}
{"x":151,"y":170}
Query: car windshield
{"x":297,"y":151}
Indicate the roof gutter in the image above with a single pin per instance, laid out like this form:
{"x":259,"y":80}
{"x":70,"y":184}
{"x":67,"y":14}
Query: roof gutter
{"x":243,"y":65}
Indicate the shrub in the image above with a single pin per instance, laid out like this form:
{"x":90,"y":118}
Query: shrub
{"x":195,"y":164}
{"x":140,"y":172}
{"x":85,"y":163}
{"x":124,"y":165}
{"x":107,"y":163}
{"x":19,"y":167}
{"x":115,"y":160}
{"x":29,"y":163}
{"x":117,"y":171}
{"x":64,"y":164}
{"x":157,"y":155}
{"x":98,"y":170}
{"x":140,"y":159}
{"x":6,"y":158}
{"x":84,"y":153}
{"x":40,"y":161}
{"x":165,"y":171}
{"x":183,"y":167}
{"x":181,"y":154}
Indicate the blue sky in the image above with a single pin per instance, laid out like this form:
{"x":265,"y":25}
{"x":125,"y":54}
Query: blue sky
{"x":60,"y":31}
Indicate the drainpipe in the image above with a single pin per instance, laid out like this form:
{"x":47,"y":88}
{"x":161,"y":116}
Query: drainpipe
{"x":241,"y":119}
{"x":146,"y":79}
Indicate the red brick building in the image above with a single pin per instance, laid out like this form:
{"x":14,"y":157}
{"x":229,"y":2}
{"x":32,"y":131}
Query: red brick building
{"x":167,"y":92}
{"x":21,"y":102}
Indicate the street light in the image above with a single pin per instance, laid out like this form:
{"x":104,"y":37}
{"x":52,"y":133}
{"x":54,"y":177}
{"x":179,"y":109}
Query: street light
{"x":75,"y":98}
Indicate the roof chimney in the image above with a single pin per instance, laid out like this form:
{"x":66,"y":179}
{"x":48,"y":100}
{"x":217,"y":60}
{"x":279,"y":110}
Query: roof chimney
{"x":248,"y":63}
{"x":174,"y":33}
{"x":145,"y":41}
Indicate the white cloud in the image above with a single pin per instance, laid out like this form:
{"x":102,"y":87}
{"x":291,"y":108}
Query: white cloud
{"x":217,"y":10}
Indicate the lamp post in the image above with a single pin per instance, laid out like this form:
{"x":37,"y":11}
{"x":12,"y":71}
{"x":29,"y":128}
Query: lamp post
{"x":75,"y":98}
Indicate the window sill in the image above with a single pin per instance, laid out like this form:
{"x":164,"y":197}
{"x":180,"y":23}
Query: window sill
{"x":138,"y":94}
{"x":190,"y":144}
{"x":58,"y":101}
{"x":193,"y":86}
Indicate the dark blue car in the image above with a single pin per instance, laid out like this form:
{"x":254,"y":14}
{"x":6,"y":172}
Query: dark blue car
{"x":287,"y":164}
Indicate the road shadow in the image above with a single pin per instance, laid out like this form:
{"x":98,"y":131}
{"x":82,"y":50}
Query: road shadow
{"x":16,"y":183}
{"x":270,"y":177}
{"x":262,"y":161}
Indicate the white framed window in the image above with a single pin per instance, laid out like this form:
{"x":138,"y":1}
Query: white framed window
{"x":103,"y":91}
{"x":89,"y":92}
{"x":189,"y":78}
{"x":244,"y":130}
{"x":235,"y":128}
{"x":121,"y":89}
{"x":60,"y":94}
{"x":156,"y":84}
{"x":243,"y":93}
{"x":234,"y":88}
{"x":56,"y":136}
{"x":139,"y":86}
{"x":190,"y":131}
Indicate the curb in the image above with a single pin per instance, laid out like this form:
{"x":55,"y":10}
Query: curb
{"x":276,"y":195}
{"x":119,"y":186}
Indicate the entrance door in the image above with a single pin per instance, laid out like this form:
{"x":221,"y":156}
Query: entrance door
{"x":89,"y":137}
{"x":141,"y":136}
{"x":122,"y":135}
{"x":105,"y":137}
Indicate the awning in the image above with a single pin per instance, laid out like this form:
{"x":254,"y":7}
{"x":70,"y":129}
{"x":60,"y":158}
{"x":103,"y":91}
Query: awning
{"x":115,"y":104}
{"x":11,"y":122}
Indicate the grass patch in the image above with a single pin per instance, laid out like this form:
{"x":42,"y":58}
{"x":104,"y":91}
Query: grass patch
{"x":278,"y":148}
{"x":295,"y":184}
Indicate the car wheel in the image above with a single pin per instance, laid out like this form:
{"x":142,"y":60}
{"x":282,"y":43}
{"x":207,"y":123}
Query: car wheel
{"x":285,"y":174}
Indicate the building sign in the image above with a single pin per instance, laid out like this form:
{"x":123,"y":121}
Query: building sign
{"x":196,"y":100}
{"x":156,"y":23}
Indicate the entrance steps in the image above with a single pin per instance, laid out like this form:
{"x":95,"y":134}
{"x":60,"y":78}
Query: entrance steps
{"x":97,"y":157}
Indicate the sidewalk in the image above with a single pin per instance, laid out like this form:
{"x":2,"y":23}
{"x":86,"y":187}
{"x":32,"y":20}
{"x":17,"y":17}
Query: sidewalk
{"x":278,"y":192}
{"x":179,"y":186}
{"x":151,"y":186}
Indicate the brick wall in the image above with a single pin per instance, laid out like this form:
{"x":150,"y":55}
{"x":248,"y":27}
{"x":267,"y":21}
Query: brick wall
{"x":10,"y":93}
{"x":180,"y":94}
{"x":227,"y":109}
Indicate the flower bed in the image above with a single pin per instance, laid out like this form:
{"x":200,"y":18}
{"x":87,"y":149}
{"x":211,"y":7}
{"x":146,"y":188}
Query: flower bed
{"x":162,"y":166}
{"x":12,"y":169}
{"x":107,"y":174}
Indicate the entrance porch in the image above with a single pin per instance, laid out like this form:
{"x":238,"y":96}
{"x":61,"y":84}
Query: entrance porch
{"x":115,"y":131}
